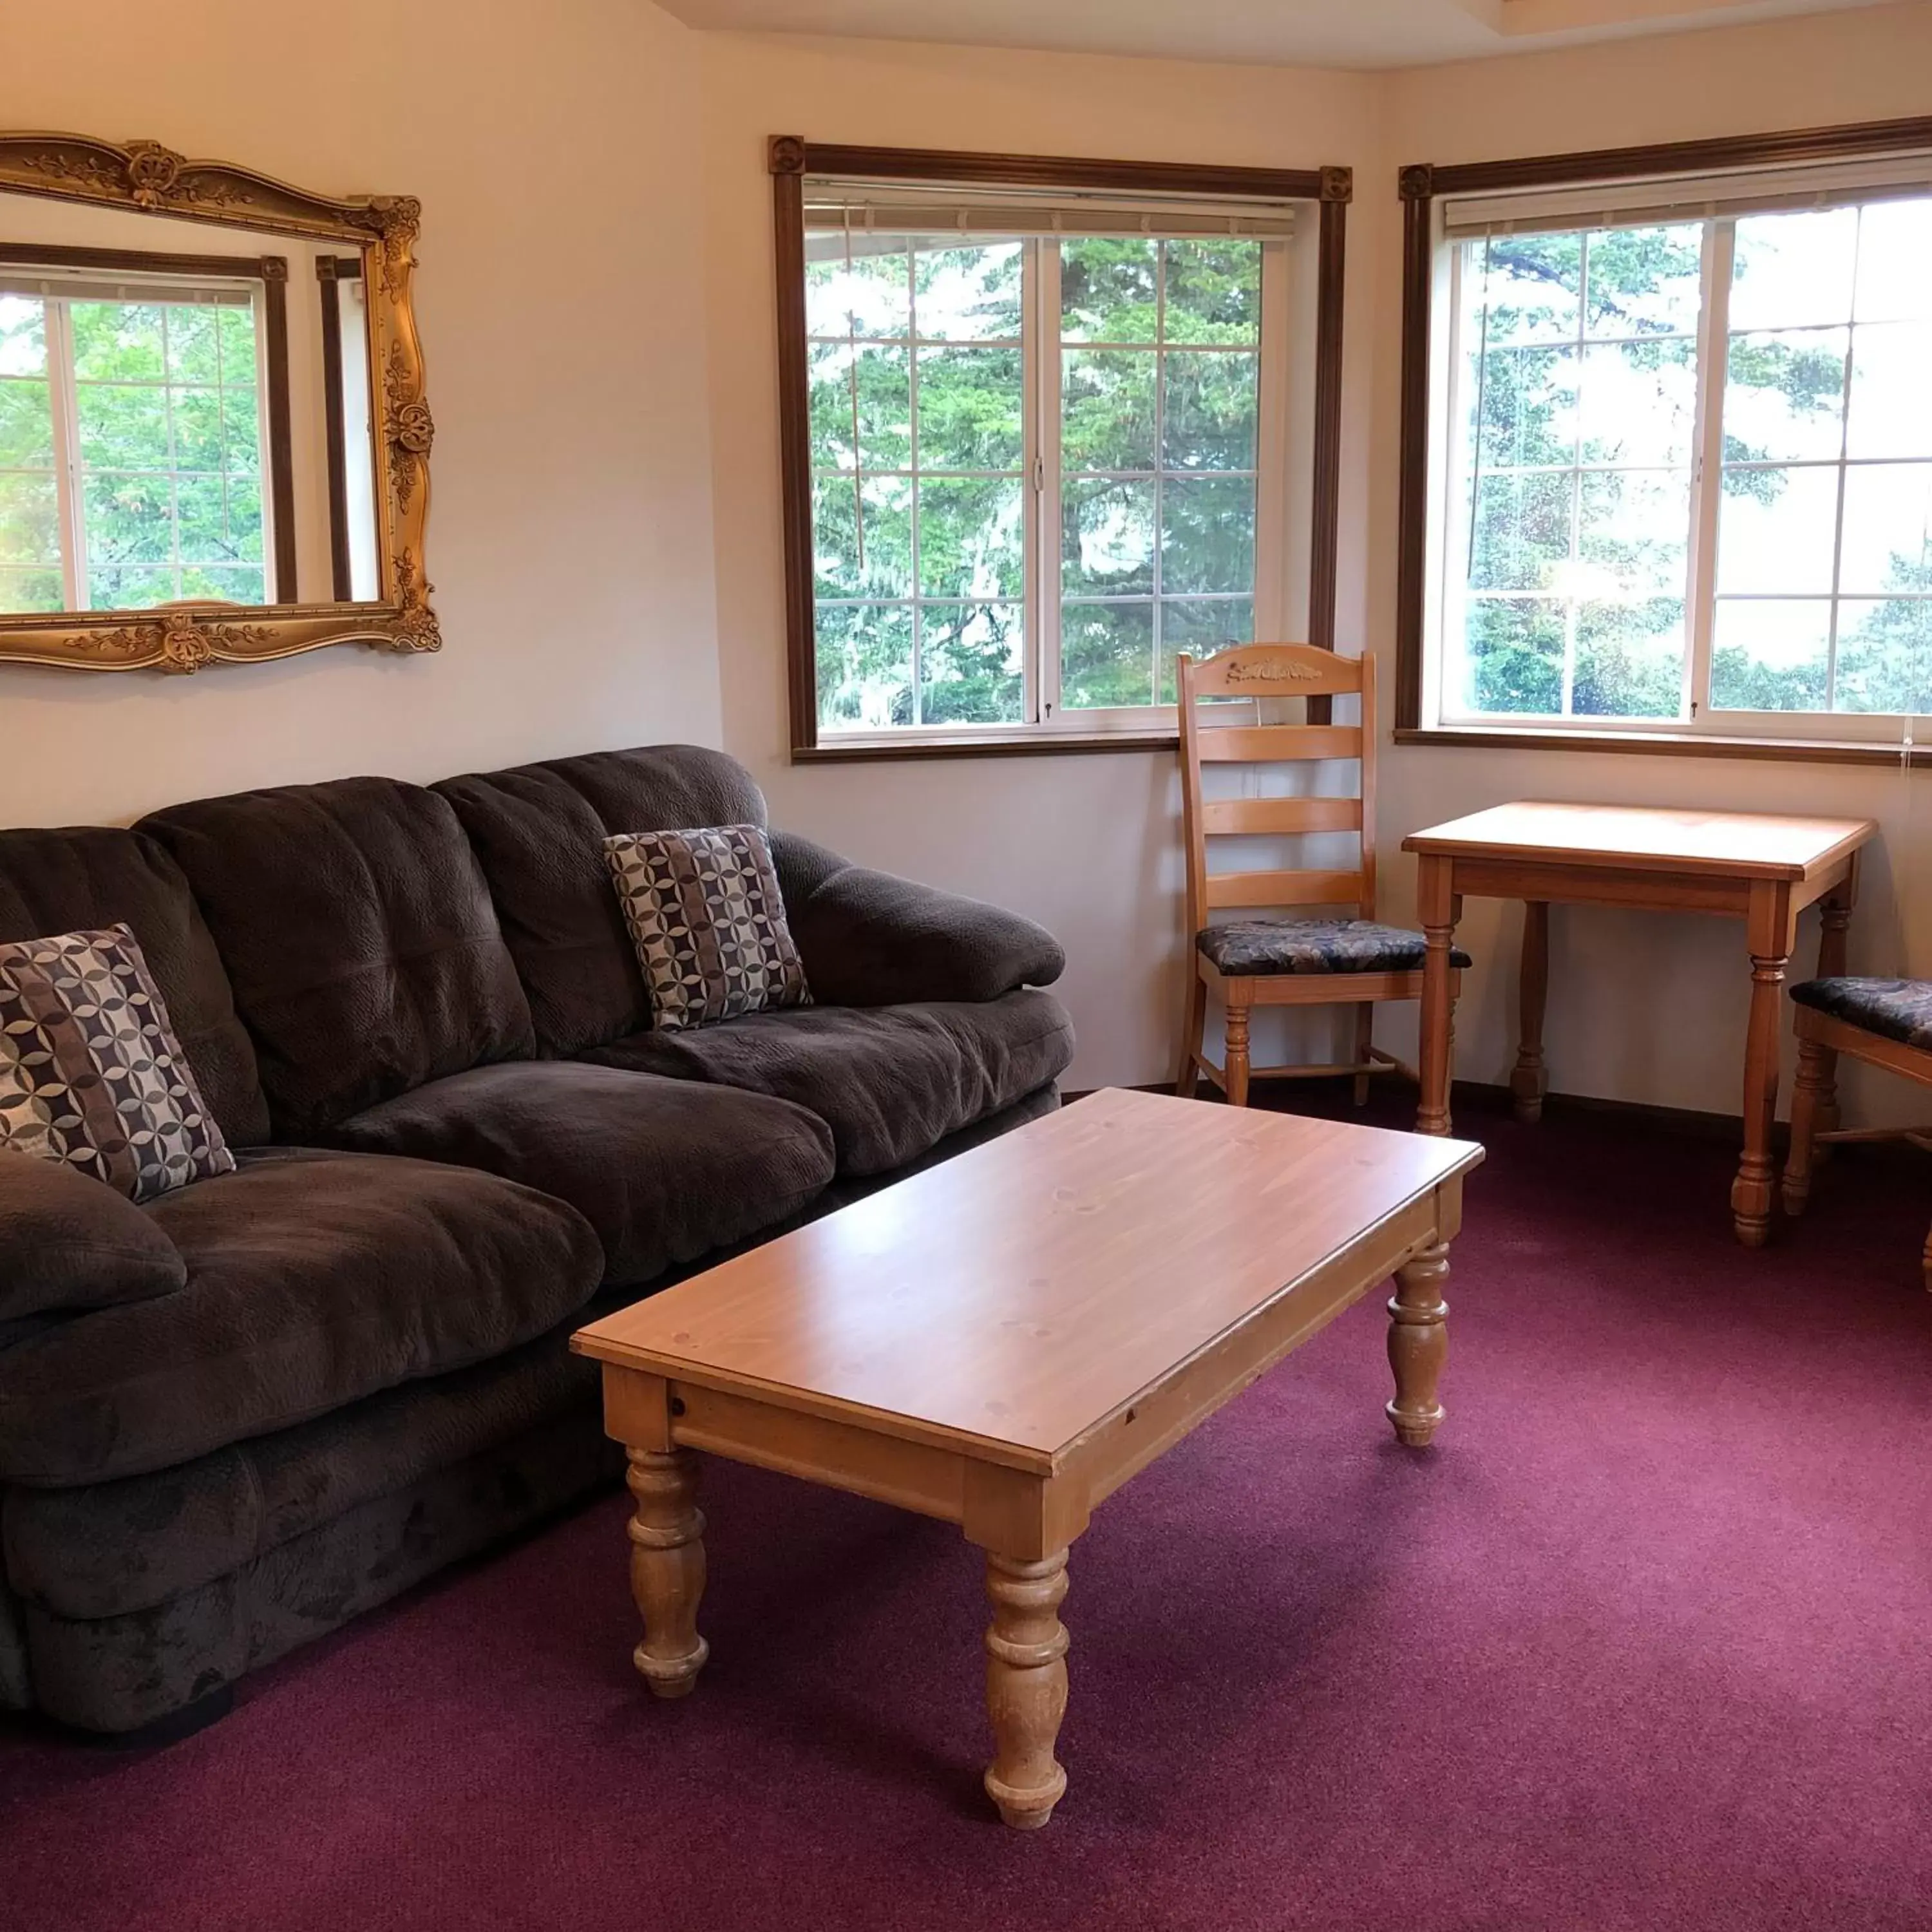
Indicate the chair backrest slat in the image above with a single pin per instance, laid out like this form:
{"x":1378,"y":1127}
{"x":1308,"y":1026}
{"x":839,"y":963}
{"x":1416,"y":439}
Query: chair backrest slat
{"x":1282,"y":889}
{"x":1275,"y":670}
{"x":1259,"y":817}
{"x":1270,"y":744}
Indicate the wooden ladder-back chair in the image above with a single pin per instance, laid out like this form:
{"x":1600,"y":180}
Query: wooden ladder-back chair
{"x":1886,"y":1023}
{"x":1303,"y":961}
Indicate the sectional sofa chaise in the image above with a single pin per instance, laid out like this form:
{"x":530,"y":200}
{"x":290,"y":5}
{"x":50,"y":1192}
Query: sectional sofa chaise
{"x":235,"y":1417}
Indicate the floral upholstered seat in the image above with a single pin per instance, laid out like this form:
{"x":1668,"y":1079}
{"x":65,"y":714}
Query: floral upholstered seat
{"x":1899,"y":1010}
{"x":1245,"y":947}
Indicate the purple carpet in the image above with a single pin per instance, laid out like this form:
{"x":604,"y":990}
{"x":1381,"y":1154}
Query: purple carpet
{"x":1644,"y":1642}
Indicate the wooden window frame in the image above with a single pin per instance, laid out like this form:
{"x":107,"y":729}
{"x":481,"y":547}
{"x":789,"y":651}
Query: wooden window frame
{"x":791,"y":158}
{"x":329,"y":270}
{"x":1419,"y":184}
{"x":272,"y":272}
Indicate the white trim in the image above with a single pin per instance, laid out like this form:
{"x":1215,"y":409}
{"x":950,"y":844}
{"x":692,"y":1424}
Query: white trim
{"x":1662,"y":199}
{"x":1043,"y":482}
{"x":57,"y":332}
{"x":1451,"y":481}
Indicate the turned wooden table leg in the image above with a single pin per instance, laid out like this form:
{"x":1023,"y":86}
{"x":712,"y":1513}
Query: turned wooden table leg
{"x":1529,"y":1081}
{"x":1769,"y":938}
{"x":1439,"y":910}
{"x":1418,"y":1343}
{"x":667,"y":1568}
{"x":1026,"y":1686}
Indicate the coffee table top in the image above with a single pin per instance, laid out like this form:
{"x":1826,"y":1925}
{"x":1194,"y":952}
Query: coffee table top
{"x":1012,"y":1298}
{"x":1649,"y":838}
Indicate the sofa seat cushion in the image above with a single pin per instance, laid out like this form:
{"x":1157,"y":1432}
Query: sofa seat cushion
{"x":663,"y":1169}
{"x":891,"y":1082}
{"x":314,"y":1279}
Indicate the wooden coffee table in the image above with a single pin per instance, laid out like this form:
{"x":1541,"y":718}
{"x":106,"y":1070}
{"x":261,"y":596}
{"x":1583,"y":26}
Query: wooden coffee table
{"x":1002,"y":1341}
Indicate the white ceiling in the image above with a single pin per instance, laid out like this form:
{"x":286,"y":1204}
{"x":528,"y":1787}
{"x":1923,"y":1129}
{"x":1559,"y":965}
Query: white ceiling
{"x":1310,"y":33}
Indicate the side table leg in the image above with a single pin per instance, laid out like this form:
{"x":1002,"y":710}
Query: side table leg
{"x":1770,"y":942}
{"x":1529,"y":1081}
{"x":1418,"y":1343}
{"x":1439,"y":910}
{"x":667,"y":1568}
{"x":1026,"y":1686}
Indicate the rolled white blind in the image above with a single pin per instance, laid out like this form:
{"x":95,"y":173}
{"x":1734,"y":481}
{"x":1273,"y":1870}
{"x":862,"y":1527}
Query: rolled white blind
{"x":859,"y":209}
{"x":1629,"y":204}
{"x":39,"y":284}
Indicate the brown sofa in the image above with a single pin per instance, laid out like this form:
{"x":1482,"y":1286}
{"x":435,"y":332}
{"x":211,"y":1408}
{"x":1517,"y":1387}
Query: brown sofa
{"x":235,"y":1417}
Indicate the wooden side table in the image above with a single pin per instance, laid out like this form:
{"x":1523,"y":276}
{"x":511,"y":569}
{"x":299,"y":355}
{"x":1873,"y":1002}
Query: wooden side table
{"x":1754,"y":866}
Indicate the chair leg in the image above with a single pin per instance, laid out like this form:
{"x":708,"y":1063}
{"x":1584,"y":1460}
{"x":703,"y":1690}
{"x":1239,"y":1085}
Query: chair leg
{"x":1193,"y":1020}
{"x":1811,"y":1096}
{"x":1365,"y":1039}
{"x":1237,"y":1048}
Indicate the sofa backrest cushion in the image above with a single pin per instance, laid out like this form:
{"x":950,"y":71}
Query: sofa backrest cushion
{"x":539,"y":831}
{"x":92,"y":876}
{"x":358,"y":934}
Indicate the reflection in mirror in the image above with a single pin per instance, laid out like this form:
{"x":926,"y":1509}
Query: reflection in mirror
{"x":185,"y":415}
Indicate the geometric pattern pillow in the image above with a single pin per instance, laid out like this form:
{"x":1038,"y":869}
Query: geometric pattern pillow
{"x":90,"y":1072}
{"x":708,"y":923}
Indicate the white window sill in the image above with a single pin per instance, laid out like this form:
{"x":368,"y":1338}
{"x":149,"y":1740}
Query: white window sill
{"x":1547,"y":737}
{"x":998,"y":741}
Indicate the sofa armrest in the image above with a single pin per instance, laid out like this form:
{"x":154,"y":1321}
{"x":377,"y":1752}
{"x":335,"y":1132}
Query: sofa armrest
{"x":869,"y":939}
{"x":69,"y":1242}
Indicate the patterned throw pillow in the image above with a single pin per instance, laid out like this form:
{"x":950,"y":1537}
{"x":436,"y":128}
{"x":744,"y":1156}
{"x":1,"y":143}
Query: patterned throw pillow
{"x":90,"y":1072}
{"x":709,"y":927}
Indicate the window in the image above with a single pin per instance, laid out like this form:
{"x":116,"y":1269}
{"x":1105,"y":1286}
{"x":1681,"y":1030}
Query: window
{"x":1046,"y":437}
{"x":132,"y":440}
{"x":1680,"y":476}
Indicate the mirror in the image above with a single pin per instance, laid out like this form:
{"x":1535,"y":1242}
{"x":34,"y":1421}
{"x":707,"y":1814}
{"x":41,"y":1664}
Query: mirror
{"x":214,"y":440}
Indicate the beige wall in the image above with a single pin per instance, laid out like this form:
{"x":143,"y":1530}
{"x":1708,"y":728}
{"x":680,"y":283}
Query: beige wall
{"x":1645,"y":1007}
{"x":605,"y":532}
{"x":1086,"y":844}
{"x":570,"y":536}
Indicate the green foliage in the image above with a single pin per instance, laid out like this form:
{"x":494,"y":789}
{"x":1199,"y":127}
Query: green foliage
{"x":971,"y":411}
{"x":1110,"y":290}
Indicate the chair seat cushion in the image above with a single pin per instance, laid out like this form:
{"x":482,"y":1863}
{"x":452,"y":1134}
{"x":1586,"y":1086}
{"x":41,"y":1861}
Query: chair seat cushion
{"x":891,"y":1082}
{"x":314,"y":1279}
{"x":1899,"y":1010}
{"x":663,"y":1169}
{"x":1256,"y":946}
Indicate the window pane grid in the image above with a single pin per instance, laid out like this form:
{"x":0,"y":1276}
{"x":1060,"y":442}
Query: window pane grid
{"x":1799,"y":627}
{"x":1153,"y":545}
{"x":1571,"y":570}
{"x":910,"y":651}
{"x":128,"y":516}
{"x":931,"y":508}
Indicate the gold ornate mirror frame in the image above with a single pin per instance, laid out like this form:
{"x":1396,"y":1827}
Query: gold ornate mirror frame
{"x":145,"y":175}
